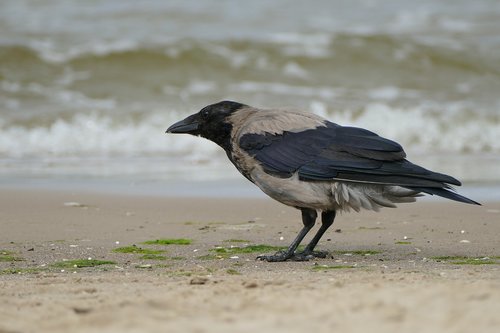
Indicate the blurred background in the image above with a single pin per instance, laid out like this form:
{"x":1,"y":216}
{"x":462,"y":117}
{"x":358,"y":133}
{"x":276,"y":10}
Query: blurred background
{"x":88,"y":88}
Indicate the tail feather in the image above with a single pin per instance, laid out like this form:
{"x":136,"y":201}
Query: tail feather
{"x":445,"y":193}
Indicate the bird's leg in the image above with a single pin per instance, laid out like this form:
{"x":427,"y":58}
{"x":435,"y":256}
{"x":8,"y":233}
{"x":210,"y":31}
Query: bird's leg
{"x":308,"y":219}
{"x":327,"y":218}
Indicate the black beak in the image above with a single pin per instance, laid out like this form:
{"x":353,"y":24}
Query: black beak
{"x":189,"y":125}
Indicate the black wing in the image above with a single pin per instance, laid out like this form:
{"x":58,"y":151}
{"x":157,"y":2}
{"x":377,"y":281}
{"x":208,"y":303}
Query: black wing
{"x":343,"y":153}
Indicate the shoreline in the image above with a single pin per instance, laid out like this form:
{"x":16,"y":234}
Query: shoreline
{"x":231,"y":187}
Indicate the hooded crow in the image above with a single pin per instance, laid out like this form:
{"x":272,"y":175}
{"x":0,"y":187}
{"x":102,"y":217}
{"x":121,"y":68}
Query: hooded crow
{"x":305,"y":161}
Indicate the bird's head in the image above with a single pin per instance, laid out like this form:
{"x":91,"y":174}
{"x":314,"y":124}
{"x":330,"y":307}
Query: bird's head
{"x":211,"y":122}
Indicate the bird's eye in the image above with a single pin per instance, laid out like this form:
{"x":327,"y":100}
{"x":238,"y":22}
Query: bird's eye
{"x":205,"y":114}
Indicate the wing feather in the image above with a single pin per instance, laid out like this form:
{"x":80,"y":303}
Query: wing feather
{"x":336,"y":152}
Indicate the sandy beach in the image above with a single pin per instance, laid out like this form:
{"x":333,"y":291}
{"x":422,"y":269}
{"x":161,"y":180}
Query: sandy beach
{"x":432,"y":266}
{"x":110,"y":224}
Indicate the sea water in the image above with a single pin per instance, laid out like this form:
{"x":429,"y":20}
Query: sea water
{"x":88,"y":88}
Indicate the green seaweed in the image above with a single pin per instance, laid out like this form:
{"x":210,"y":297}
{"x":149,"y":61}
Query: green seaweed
{"x":8,"y":256}
{"x":22,"y":271}
{"x":446,"y":258}
{"x":10,"y":259}
{"x":209,"y":257}
{"x":475,"y":262}
{"x":231,"y":271}
{"x":172,"y":241}
{"x":137,"y":250}
{"x":153,"y":257}
{"x":464,"y":260}
{"x":81,"y":263}
{"x":402,"y":243}
{"x":226,"y":252}
{"x":247,"y":249}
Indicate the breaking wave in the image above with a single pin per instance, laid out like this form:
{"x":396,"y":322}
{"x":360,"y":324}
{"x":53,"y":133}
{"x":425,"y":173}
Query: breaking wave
{"x":418,"y":129}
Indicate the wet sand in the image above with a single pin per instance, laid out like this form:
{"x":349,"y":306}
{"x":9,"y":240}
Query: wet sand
{"x":433,"y":266}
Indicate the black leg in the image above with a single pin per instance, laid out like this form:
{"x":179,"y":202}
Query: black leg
{"x":327,"y":218}
{"x":308,"y":219}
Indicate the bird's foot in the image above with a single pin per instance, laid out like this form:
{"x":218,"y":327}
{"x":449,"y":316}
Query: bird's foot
{"x":308,"y":255}
{"x":281,"y":256}
{"x":314,"y":254}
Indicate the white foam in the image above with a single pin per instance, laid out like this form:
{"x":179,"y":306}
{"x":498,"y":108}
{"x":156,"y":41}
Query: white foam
{"x":454,"y":24}
{"x":199,"y":87}
{"x":97,"y":135}
{"x":423,"y":129}
{"x":295,"y":70}
{"x":11,"y":87}
{"x":310,"y":45}
{"x":236,"y":59}
{"x":50,"y":52}
{"x":386,"y":93}
{"x":69,"y":98}
{"x":283,"y":89}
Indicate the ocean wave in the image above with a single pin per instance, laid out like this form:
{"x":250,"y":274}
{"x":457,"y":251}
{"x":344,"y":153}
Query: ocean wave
{"x":424,"y":129}
{"x":49,"y":52}
{"x":431,"y":128}
{"x":281,"y":48}
{"x":371,"y":63}
{"x":429,"y":97}
{"x":283,"y":89}
{"x":100,"y":135}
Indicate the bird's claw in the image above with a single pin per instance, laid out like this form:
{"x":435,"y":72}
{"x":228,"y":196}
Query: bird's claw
{"x":281,"y":256}
{"x":308,"y":255}
{"x":314,"y":254}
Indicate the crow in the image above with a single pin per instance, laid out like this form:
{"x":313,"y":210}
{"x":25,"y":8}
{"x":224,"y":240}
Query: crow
{"x":307,"y":162}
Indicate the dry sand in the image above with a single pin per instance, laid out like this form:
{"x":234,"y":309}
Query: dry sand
{"x":401,"y":285}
